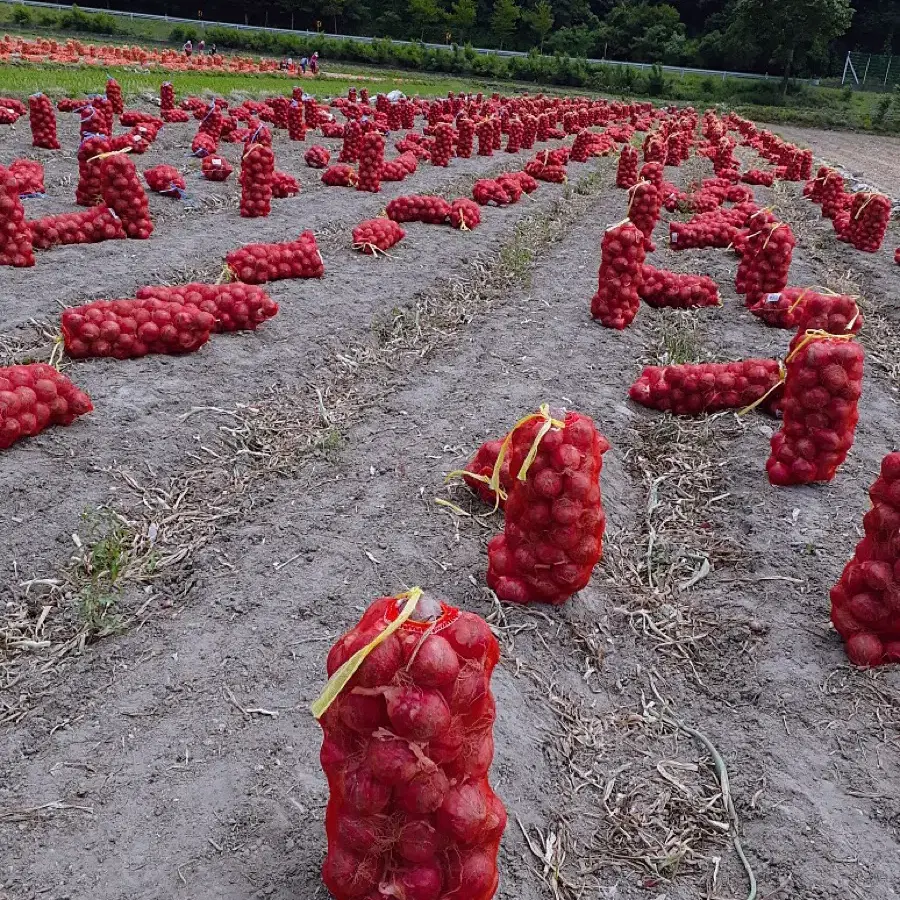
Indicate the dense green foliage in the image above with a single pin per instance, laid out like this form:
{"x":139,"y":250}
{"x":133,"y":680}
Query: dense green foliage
{"x":710,"y":34}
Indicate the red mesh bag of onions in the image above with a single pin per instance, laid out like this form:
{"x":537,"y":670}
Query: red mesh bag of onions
{"x":215,"y":168}
{"x":284,"y":185}
{"x":416,"y":208}
{"x":15,"y":235}
{"x":627,"y":170}
{"x":661,"y":288}
{"x":807,"y":309}
{"x":34,"y":397}
{"x":643,"y":210}
{"x":490,"y":482}
{"x":317,"y":157}
{"x":89,"y":190}
{"x":407,"y":719}
{"x":257,"y":174}
{"x":165,"y":180}
{"x":43,"y":122}
{"x":553,"y":532}
{"x":371,"y":159}
{"x":690,"y":389}
{"x":99,"y":223}
{"x":377,"y":236}
{"x":339,"y":176}
{"x":621,"y":272}
{"x":235,"y":306}
{"x":865,"y":603}
{"x":821,"y":392}
{"x":123,"y":194}
{"x":465,"y":214}
{"x":127,"y":329}
{"x":259,"y":263}
{"x":869,"y":217}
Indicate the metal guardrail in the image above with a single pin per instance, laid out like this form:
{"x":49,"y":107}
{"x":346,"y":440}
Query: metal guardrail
{"x":202,"y":23}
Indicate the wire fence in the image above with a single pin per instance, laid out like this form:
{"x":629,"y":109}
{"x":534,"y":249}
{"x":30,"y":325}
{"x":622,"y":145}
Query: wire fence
{"x":871,"y":72}
{"x":679,"y":71}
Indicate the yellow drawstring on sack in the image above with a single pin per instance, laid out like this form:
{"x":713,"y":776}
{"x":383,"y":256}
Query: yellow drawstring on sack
{"x":342,"y":676}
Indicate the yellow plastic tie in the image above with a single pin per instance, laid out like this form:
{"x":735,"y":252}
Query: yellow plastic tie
{"x":110,"y":153}
{"x":536,"y":443}
{"x":871,"y":198}
{"x":339,"y":680}
{"x":816,"y":334}
{"x":781,"y":376}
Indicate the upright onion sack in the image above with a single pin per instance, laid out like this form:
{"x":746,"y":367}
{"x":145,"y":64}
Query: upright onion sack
{"x":620,"y":276}
{"x":408,"y":720}
{"x":259,"y":263}
{"x":43,"y":122}
{"x":257,"y":173}
{"x":371,"y":159}
{"x":643,"y":210}
{"x":821,"y":391}
{"x":33,"y":398}
{"x":865,"y":603}
{"x":553,"y":533}
{"x":690,"y":389}
{"x":123,"y":194}
{"x":869,"y":217}
{"x":127,"y":329}
{"x":15,"y":235}
{"x":627,"y":169}
{"x":89,"y":190}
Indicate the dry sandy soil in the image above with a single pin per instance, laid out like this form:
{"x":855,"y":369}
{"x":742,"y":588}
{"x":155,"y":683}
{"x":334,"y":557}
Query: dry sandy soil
{"x":872,"y":158}
{"x":257,"y":495}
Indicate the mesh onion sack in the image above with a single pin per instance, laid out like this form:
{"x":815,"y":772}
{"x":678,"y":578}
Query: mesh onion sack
{"x":627,"y":169}
{"x":215,"y":168}
{"x":259,"y":263}
{"x":865,"y":603}
{"x":407,"y":720}
{"x":166,"y":180}
{"x":235,"y":306}
{"x":765,"y":260}
{"x":807,"y":309}
{"x":442,"y":149}
{"x":43,"y":122}
{"x":643,"y":210}
{"x":33,"y":398}
{"x":675,"y":290}
{"x":30,"y":176}
{"x":257,"y":172}
{"x":89,"y":190}
{"x":284,"y":185}
{"x":821,"y":391}
{"x":553,"y":531}
{"x":465,"y":214}
{"x":690,"y":389}
{"x":416,"y":208}
{"x":317,"y":157}
{"x":114,"y":95}
{"x":123,"y":194}
{"x":15,"y":235}
{"x":621,"y":272}
{"x":479,"y":471}
{"x":377,"y":235}
{"x":465,"y":138}
{"x":869,"y":217}
{"x":127,"y":329}
{"x":99,"y":223}
{"x":371,"y":159}
{"x":339,"y":176}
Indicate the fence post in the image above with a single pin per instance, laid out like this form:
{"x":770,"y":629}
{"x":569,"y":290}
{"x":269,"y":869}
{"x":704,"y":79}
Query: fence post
{"x":846,"y":63}
{"x":866,"y":72}
{"x":887,"y":70}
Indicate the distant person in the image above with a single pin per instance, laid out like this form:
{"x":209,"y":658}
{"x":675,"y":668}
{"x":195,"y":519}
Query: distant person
{"x":188,"y":48}
{"x":314,"y":63}
{"x":201,"y":47}
{"x":304,"y":62}
{"x":212,"y":50}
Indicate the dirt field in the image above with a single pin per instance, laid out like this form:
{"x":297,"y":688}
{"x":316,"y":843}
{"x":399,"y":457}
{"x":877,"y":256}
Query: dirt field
{"x":872,"y":158}
{"x":260,"y":493}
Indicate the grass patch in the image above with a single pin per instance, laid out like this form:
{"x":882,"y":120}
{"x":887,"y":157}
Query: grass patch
{"x":99,"y":569}
{"x":23,"y":79}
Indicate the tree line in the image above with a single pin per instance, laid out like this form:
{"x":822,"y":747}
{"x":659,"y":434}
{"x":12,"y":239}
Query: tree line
{"x":792,"y":37}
